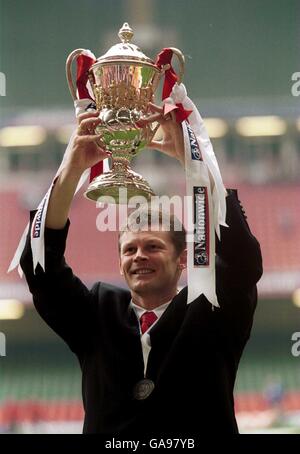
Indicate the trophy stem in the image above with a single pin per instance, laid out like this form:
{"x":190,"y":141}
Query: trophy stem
{"x":119,"y":184}
{"x":119,"y":165}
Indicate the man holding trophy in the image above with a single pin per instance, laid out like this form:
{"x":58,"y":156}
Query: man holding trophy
{"x":153,"y":360}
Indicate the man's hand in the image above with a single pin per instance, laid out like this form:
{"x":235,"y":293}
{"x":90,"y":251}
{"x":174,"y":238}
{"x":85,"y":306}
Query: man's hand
{"x":86,"y":151}
{"x":172,"y":141}
{"x":88,"y":148}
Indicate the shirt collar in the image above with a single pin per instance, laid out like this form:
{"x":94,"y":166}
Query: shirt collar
{"x":158,"y":310}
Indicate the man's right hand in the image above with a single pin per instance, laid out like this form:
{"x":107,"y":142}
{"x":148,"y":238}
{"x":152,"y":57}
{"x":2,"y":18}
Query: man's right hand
{"x":87,"y":149}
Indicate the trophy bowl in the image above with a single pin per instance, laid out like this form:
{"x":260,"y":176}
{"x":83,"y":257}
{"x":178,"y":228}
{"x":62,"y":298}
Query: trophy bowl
{"x":123,"y":82}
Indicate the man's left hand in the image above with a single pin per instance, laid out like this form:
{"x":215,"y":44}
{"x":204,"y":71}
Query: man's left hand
{"x":172,"y":140}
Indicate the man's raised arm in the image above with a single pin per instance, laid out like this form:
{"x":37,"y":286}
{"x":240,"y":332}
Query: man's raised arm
{"x":62,"y":300}
{"x":85,"y":153}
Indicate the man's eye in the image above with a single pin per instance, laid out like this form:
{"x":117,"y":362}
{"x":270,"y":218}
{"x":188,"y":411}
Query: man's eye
{"x":129,"y":250}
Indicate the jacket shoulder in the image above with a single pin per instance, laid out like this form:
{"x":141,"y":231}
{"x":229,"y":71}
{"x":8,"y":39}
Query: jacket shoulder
{"x":108,"y":292}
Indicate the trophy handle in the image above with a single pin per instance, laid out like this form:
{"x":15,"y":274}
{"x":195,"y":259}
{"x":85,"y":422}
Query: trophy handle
{"x":69,"y":62}
{"x":181,"y":60}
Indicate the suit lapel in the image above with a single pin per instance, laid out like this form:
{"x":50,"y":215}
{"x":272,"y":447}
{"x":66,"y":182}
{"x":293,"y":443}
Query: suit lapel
{"x":164,"y":332}
{"x":129,"y":340}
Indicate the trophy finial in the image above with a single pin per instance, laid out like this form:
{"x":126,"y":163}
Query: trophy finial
{"x":125,"y":33}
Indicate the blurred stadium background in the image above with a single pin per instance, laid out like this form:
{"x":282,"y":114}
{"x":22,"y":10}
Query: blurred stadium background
{"x":240,"y":58}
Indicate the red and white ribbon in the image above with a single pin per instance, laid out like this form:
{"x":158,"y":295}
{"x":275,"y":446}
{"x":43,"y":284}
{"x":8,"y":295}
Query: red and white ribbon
{"x":206,"y":207}
{"x":83,"y":104}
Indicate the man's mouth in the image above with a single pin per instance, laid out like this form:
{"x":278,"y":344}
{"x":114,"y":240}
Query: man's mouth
{"x":140,"y":271}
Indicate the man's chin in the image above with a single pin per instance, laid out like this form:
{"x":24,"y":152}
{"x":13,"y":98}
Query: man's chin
{"x":143,"y":287}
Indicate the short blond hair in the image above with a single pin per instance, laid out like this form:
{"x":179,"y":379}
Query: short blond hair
{"x":147,"y":218}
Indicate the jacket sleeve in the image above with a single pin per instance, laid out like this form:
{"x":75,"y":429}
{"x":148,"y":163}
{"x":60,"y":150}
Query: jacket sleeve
{"x":60,"y":298}
{"x":238,"y":252}
{"x":238,"y":269}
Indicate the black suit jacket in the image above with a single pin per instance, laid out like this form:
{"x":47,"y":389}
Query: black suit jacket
{"x":195,"y":350}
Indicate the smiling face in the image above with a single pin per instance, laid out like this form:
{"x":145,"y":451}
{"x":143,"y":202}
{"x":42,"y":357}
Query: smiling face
{"x":150,"y":264}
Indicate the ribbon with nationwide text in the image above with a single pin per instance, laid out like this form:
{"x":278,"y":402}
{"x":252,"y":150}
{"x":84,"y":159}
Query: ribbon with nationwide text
{"x":206,"y":202}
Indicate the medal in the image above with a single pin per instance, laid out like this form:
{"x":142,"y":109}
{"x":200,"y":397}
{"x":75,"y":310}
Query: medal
{"x":143,"y":389}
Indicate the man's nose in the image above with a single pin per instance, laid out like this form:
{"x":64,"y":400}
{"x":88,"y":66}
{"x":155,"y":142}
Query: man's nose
{"x":140,"y":254}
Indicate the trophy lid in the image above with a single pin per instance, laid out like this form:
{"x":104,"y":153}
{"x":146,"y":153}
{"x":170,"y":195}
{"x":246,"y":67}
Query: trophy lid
{"x":125,"y":51}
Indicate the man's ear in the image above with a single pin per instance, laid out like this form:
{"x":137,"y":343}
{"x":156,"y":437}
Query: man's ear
{"x":183,"y":260}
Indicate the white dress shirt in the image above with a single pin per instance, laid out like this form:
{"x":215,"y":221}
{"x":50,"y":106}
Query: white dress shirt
{"x":145,"y":338}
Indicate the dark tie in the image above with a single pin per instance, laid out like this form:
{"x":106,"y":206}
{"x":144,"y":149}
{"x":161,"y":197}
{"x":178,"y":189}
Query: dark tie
{"x":146,"y":320}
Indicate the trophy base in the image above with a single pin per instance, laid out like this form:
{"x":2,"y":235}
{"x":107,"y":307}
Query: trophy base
{"x":118,"y":189}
